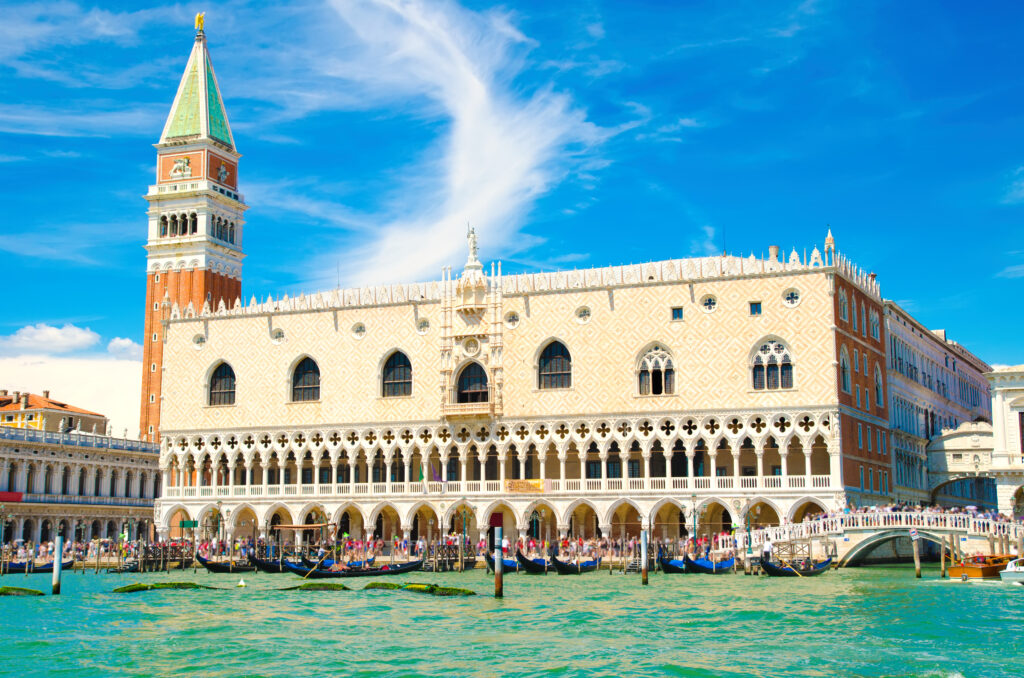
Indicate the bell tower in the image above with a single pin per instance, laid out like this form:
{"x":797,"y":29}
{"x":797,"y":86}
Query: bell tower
{"x":196,"y":218}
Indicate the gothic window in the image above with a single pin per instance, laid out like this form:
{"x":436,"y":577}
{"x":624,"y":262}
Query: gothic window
{"x":844,"y":306}
{"x":306,"y":381}
{"x":863,"y":321}
{"x":397,"y":377}
{"x":193,"y":223}
{"x":656,"y":373}
{"x":222,"y":385}
{"x":472,"y":384}
{"x":555,"y":368}
{"x":844,"y":370}
{"x":231,"y":233}
{"x":174,"y":224}
{"x":163,"y":226}
{"x":878,"y":387}
{"x":772,"y":367}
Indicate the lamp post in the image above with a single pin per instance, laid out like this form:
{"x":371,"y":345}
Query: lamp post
{"x":216,"y":528}
{"x":693,"y":498}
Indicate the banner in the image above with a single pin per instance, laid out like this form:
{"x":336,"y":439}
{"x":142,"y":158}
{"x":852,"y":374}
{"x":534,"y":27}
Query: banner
{"x":524,"y":486}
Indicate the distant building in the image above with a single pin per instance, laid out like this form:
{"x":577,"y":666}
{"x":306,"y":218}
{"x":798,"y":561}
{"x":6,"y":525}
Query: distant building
{"x":43,"y":413}
{"x":60,"y":475}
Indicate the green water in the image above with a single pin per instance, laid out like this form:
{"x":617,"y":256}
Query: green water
{"x":860,"y":622}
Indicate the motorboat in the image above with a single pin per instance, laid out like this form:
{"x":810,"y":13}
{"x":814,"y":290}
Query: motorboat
{"x":1014,"y":572}
{"x":979,"y":567}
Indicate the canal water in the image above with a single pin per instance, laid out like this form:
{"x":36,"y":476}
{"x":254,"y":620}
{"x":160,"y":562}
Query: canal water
{"x":876,"y":621}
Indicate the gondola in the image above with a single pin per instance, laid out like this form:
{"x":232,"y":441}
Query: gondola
{"x":672,"y":566}
{"x":21,"y":568}
{"x":328,"y":563}
{"x":265,"y":565}
{"x":219,"y":568}
{"x":533,"y":565}
{"x":507,"y":564}
{"x":705,"y":566}
{"x":127,"y":566}
{"x":575,"y":568}
{"x":311,"y":573}
{"x":813,"y":570}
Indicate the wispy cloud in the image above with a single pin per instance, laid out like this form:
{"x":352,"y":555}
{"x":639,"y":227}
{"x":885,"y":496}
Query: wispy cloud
{"x":502,"y":146}
{"x":1014,"y":271}
{"x":704,"y":244}
{"x":84,"y":119}
{"x":1015,"y":193}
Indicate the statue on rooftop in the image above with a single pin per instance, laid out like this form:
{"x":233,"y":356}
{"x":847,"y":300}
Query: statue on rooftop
{"x":200,"y":18}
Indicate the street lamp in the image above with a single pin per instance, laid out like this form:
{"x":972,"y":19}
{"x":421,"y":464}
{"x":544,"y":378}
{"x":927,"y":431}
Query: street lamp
{"x":693,"y":498}
{"x":216,"y":528}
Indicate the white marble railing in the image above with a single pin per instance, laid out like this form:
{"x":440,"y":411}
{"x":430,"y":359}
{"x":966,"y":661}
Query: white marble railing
{"x":948,"y":523}
{"x":702,"y":486}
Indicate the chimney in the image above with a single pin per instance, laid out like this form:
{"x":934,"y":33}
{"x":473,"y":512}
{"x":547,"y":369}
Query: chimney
{"x":17,"y":396}
{"x":24,"y":401}
{"x":773,"y":253}
{"x":3,"y":392}
{"x":46,"y":394}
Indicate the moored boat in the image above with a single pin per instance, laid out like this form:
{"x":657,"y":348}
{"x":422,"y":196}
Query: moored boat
{"x":705,"y":566}
{"x":312,"y":573}
{"x":1014,"y":572}
{"x":579,"y":567}
{"x":979,"y":567}
{"x":795,"y":569}
{"x":672,"y":566}
{"x":533,"y":565}
{"x":23,"y":567}
{"x":507,"y":564}
{"x":266,"y":565}
{"x":328,"y":563}
{"x":219,"y":568}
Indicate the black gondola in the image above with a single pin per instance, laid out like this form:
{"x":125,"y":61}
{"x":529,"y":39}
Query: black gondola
{"x":311,"y":573}
{"x":507,"y":564}
{"x":533,"y":565}
{"x":328,"y":563}
{"x":704,"y":566}
{"x":127,"y":566}
{"x":265,"y":565}
{"x":21,"y":568}
{"x":672,"y":566}
{"x":220,"y":568}
{"x":813,"y":570}
{"x":575,"y":568}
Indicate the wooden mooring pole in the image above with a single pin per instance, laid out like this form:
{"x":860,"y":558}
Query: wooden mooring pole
{"x":643,"y":557}
{"x":499,"y":562}
{"x":57,"y":562}
{"x":915,"y":542}
{"x":942,"y":558}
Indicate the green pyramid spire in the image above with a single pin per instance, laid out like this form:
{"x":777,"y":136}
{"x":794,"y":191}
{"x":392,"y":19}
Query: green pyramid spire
{"x":198,"y":110}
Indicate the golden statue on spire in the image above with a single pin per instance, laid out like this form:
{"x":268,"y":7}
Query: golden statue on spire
{"x":200,"y":18}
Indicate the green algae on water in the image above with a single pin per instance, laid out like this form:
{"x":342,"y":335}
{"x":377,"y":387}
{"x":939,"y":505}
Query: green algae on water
{"x":318,"y":586}
{"x":180,"y":585}
{"x":18,"y":591}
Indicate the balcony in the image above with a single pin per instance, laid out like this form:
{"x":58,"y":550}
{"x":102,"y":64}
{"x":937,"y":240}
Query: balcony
{"x":702,"y":486}
{"x":452,"y":409}
{"x":77,"y":440}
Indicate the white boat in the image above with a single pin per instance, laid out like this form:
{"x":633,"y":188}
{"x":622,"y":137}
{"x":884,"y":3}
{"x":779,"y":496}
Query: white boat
{"x":1014,"y":572}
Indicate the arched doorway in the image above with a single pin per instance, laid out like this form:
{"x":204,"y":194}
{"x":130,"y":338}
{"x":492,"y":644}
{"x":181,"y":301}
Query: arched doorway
{"x":713,"y":518}
{"x":581,"y":521}
{"x":246,"y":524}
{"x":387,"y":524}
{"x":174,"y":532}
{"x":350,"y":523}
{"x":763,"y":514}
{"x":625,"y":522}
{"x":27,"y":528}
{"x":425,"y":524}
{"x":501,"y":515}
{"x":669,"y":522}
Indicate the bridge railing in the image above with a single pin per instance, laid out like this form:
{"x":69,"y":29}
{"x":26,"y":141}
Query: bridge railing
{"x":839,"y":524}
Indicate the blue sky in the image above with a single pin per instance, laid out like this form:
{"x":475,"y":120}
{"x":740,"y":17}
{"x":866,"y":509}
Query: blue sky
{"x":570,"y":134}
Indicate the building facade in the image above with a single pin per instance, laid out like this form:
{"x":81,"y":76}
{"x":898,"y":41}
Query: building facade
{"x":43,"y":413}
{"x":78,"y":485}
{"x":934,"y":385}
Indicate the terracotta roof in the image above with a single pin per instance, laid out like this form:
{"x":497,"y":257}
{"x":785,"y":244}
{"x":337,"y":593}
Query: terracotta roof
{"x":38,"y":402}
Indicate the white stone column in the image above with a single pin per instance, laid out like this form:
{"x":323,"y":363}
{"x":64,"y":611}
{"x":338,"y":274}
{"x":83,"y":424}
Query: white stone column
{"x":501,"y":463}
{"x":646,"y":454}
{"x":760,"y":468}
{"x":689,"y":465}
{"x":561,"y":468}
{"x":522,"y":462}
{"x":232,"y":469}
{"x":736,"y":463}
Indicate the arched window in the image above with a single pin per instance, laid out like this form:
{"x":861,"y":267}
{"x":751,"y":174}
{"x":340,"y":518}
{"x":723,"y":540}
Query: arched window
{"x":397,"y":377}
{"x":174,"y":224}
{"x":163,"y":226}
{"x":656,"y":373}
{"x":231,"y":233}
{"x":844,"y":306}
{"x":878,"y":386}
{"x":555,"y":368}
{"x":772,"y":367}
{"x":193,"y":223}
{"x":222,"y":385}
{"x":306,"y":381}
{"x":844,"y":370}
{"x":472,"y":386}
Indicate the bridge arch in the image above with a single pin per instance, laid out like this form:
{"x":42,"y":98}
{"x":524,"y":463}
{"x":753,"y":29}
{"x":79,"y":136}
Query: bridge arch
{"x":856,"y":555}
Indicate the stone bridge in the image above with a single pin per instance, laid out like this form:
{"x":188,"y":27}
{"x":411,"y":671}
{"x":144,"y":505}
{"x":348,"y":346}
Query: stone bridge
{"x":855,"y":535}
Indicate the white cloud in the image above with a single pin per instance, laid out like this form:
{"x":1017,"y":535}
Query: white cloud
{"x":81,"y":119}
{"x":502,"y":148}
{"x":124,"y":348}
{"x":109,"y":386}
{"x":43,"y":338}
{"x":1016,"y":191}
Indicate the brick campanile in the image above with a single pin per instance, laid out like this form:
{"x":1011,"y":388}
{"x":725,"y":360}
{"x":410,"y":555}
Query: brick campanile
{"x":196,"y":219}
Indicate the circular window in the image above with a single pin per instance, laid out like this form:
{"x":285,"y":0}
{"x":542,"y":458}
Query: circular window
{"x":277,"y":336}
{"x":423,"y":326}
{"x":512,"y":320}
{"x":791,"y":297}
{"x":583,"y":314}
{"x":470,"y":346}
{"x":198,"y":341}
{"x":708,"y":303}
{"x":359,"y":330}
